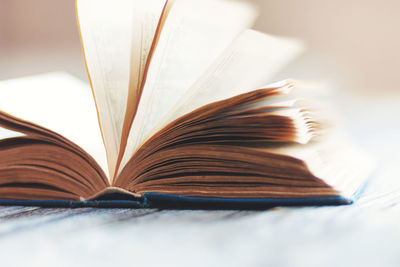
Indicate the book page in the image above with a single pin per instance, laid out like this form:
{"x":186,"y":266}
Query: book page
{"x":58,"y":102}
{"x":193,"y":36}
{"x":247,"y":64}
{"x":334,"y":159}
{"x":148,"y":24}
{"x":116,"y":38}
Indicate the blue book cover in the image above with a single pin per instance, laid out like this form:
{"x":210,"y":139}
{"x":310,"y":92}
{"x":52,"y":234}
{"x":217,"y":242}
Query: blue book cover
{"x":169,"y":201}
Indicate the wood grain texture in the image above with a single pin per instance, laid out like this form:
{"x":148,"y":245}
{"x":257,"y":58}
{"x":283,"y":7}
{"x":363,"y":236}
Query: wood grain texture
{"x":366,"y":233}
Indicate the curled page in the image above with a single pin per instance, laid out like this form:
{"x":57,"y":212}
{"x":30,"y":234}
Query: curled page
{"x":116,"y":38}
{"x":193,"y":36}
{"x":247,"y":64}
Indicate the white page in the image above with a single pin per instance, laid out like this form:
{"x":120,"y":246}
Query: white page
{"x":58,"y":102}
{"x":116,"y":36}
{"x":193,"y":36}
{"x":247,"y":64}
{"x":106,"y":28}
{"x":146,"y":18}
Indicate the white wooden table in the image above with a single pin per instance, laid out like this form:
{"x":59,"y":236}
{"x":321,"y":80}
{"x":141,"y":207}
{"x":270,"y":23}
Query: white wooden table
{"x":364,"y":234}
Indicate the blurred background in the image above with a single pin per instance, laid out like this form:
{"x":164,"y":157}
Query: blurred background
{"x":353,"y":45}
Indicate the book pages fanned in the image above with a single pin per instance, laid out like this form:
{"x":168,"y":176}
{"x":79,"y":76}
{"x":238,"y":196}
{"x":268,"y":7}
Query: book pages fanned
{"x":247,"y":64}
{"x":193,"y":36}
{"x":181,"y":113}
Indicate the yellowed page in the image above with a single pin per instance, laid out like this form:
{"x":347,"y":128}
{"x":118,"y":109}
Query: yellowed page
{"x":194,"y":35}
{"x":116,"y":38}
{"x":59,"y":102}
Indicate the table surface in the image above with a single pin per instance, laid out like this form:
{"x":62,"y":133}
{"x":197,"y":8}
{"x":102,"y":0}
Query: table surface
{"x":363,"y":234}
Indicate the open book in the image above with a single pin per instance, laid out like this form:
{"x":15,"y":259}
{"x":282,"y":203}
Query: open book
{"x":179,"y":115}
